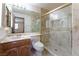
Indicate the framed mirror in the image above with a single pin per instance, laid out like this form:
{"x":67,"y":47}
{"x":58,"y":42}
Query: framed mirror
{"x":22,"y":20}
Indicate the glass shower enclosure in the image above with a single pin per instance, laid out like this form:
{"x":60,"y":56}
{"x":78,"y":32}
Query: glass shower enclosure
{"x":59,"y":23}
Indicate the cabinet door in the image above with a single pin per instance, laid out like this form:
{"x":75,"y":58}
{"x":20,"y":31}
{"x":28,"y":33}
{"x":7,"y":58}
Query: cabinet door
{"x":1,"y":50}
{"x":24,"y":51}
{"x":12,"y":52}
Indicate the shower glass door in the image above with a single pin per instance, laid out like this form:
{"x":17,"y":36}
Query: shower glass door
{"x":60,"y":30}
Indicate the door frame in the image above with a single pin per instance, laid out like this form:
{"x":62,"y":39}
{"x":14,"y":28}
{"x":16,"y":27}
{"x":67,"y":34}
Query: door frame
{"x":14,"y":23}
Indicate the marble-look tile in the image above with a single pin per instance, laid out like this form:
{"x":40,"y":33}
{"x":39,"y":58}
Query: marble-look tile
{"x":75,"y":29}
{"x":62,"y":38}
{"x":60,"y":32}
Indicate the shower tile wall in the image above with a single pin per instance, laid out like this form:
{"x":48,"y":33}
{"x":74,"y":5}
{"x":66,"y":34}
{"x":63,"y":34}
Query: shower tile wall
{"x":75,"y":33}
{"x":44,"y":37}
{"x":60,"y":31}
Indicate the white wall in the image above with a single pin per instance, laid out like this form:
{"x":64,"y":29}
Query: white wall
{"x":0,"y":13}
{"x":28,"y":24}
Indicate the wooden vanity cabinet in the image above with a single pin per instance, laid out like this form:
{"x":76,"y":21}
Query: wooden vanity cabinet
{"x":12,"y":52}
{"x":16,"y":48}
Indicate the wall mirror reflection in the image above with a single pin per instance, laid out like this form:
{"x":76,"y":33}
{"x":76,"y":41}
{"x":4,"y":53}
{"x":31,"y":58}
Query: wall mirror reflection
{"x":21,"y":18}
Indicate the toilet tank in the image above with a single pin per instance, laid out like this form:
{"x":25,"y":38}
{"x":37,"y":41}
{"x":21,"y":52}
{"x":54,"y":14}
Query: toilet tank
{"x":35,"y":39}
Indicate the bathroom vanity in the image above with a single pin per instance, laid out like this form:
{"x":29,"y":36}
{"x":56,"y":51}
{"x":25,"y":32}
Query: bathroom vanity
{"x":16,"y":48}
{"x":17,"y":45}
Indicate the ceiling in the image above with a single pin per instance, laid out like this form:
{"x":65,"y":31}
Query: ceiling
{"x":49,"y":6}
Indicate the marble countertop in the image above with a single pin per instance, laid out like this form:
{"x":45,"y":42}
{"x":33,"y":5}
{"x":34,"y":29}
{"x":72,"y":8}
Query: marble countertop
{"x":22,"y":36}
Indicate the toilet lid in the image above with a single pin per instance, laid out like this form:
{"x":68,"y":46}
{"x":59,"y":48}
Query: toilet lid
{"x":39,"y":44}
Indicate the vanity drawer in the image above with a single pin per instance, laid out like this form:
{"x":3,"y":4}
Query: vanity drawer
{"x":18,"y":43}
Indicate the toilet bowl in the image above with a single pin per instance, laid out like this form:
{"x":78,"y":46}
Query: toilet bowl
{"x":39,"y":47}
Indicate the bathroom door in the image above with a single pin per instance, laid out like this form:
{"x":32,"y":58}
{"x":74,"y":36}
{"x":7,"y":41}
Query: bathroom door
{"x":18,"y":25}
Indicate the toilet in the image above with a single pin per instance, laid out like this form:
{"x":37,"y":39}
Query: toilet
{"x":38,"y":46}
